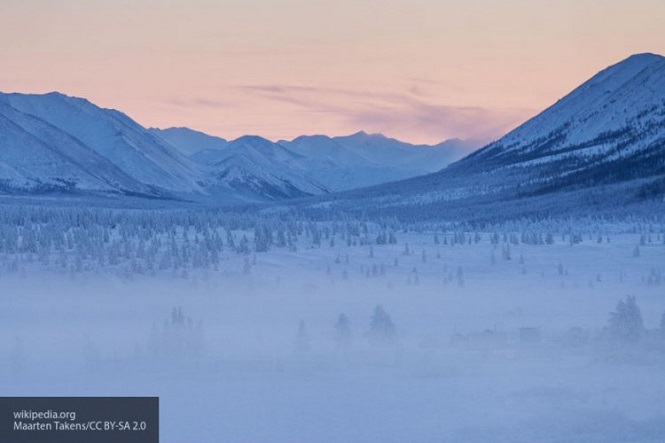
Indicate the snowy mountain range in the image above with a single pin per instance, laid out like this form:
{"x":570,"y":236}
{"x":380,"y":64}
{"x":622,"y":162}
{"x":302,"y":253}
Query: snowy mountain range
{"x":601,"y":145}
{"x":328,"y":163}
{"x":57,"y":143}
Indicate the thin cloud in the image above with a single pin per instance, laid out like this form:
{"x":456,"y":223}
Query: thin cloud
{"x":279,"y":92}
{"x":394,"y":113}
{"x":198,"y":102}
{"x":440,"y":122}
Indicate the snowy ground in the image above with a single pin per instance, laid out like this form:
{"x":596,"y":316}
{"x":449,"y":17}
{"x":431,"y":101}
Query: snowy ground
{"x":458,"y":371}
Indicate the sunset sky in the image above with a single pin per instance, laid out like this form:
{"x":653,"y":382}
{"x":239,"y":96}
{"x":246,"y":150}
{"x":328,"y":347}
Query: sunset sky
{"x":417,"y":70}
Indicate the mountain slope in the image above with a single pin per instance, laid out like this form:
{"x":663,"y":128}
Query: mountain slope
{"x":35,"y":156}
{"x":614,"y":119}
{"x":188,"y":141}
{"x":361,"y":159}
{"x":602,"y":144}
{"x":336,"y":167}
{"x":330,"y":164}
{"x":114,"y":136}
{"x":380,"y":149}
{"x":254,"y":165}
{"x":53,"y":141}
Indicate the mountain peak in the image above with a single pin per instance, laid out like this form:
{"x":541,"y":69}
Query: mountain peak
{"x":46,"y":94}
{"x":644,"y":57}
{"x":627,"y":69}
{"x":57,"y":94}
{"x":308,"y":138}
{"x":184,"y":131}
{"x":250,"y":139}
{"x":363,"y":134}
{"x":55,"y":98}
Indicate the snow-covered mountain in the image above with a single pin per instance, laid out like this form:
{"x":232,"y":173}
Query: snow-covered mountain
{"x":250,"y":168}
{"x":380,"y":149}
{"x":53,"y":142}
{"x":35,"y":155}
{"x":611,"y":128}
{"x":77,"y":130}
{"x":329,"y":163}
{"x":189,"y":141}
{"x":361,"y":159}
{"x":603,"y":142}
{"x":252,"y":165}
{"x":601,"y":145}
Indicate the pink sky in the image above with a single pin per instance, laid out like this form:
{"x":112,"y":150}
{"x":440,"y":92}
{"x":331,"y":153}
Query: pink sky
{"x":417,"y":70}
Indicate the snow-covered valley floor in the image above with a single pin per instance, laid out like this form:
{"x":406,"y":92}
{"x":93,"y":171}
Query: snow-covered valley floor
{"x":487,"y":349}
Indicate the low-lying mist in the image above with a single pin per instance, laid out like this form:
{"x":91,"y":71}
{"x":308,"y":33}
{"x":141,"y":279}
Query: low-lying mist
{"x":412,"y":341}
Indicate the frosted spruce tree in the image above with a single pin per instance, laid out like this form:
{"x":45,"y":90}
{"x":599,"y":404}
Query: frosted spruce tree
{"x":626,"y":322}
{"x":343,"y":331}
{"x":382,"y":330}
{"x":178,"y":340}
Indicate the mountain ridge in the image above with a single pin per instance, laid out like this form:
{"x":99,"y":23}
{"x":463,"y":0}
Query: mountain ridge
{"x":336,"y":163}
{"x":77,"y":147}
{"x":607,"y":134}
